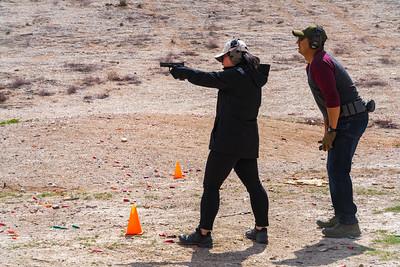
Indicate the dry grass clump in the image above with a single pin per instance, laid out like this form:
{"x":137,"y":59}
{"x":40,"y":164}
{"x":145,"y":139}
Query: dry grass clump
{"x":386,"y":124}
{"x":113,"y":76}
{"x":18,"y":82}
{"x":212,"y":44}
{"x":3,"y":97}
{"x":72,"y":89}
{"x":102,"y":96}
{"x":81,"y":67}
{"x":91,"y":80}
{"x":386,"y":60}
{"x":90,"y":98}
{"x":131,"y":79}
{"x":371,"y":82}
{"x":44,"y":92}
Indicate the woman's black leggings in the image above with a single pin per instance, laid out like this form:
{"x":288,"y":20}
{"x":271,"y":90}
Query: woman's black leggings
{"x":218,"y":167}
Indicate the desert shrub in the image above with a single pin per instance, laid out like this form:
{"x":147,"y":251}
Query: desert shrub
{"x":72,"y":89}
{"x":81,"y":67}
{"x":102,"y":96}
{"x":386,"y":60}
{"x":131,"y":79}
{"x":89,"y":98}
{"x":44,"y":92}
{"x":113,"y":76}
{"x":3,"y":97}
{"x":371,"y":83}
{"x":386,"y":124}
{"x":18,"y":82}
{"x":91,"y":80}
{"x":212,"y":44}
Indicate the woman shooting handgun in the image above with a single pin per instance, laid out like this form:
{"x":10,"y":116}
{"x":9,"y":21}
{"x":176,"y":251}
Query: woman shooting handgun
{"x":234,"y":141}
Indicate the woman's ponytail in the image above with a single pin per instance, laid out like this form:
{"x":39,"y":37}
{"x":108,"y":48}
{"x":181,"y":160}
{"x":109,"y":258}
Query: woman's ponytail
{"x":250,"y":60}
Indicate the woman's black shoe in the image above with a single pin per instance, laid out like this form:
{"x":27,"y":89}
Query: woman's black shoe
{"x":196,"y":238}
{"x":260,"y":236}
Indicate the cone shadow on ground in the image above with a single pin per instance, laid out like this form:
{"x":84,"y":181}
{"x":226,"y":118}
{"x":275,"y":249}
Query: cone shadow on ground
{"x":203,"y":257}
{"x":333,"y":250}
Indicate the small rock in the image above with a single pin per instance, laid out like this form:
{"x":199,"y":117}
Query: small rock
{"x":123,"y":140}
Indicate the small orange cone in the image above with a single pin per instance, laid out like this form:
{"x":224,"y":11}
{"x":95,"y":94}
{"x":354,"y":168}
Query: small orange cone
{"x":134,"y":227}
{"x":178,"y":171}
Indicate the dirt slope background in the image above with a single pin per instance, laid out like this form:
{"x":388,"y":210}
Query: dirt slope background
{"x":81,"y":76}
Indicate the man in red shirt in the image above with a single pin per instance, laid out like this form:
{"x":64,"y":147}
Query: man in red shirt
{"x":346,"y":118}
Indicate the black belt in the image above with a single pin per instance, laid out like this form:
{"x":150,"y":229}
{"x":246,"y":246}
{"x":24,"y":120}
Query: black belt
{"x":353,"y":108}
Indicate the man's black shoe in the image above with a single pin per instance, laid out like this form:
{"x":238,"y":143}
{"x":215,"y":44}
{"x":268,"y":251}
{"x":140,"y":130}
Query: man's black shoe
{"x":329,"y":223}
{"x":196,"y":238}
{"x":260,"y":236}
{"x":343,"y":231}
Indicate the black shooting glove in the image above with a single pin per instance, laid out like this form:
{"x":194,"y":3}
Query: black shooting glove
{"x":327,"y":140}
{"x":180,"y":73}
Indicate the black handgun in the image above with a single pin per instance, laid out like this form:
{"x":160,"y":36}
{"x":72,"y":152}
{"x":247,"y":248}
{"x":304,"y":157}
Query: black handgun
{"x":171,"y":64}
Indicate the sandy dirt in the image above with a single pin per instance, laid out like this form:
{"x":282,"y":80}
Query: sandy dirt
{"x":100,"y":127}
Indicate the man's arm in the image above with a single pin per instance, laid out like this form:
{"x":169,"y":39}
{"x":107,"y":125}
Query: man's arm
{"x":324,"y":76}
{"x":333,"y":117}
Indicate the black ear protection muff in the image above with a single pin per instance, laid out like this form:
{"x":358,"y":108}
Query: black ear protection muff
{"x":316,"y":40}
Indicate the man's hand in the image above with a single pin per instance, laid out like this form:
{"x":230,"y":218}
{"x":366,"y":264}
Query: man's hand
{"x":180,"y":73}
{"x":327,"y":141}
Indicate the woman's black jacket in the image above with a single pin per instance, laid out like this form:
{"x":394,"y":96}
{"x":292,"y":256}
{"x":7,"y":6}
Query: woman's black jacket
{"x":239,"y":98}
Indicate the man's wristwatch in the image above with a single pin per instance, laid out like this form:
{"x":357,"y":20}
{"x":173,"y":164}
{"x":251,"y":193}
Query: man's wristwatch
{"x":331,"y":130}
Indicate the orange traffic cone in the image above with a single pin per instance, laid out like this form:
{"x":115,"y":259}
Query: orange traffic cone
{"x":134,"y":227}
{"x":178,"y":171}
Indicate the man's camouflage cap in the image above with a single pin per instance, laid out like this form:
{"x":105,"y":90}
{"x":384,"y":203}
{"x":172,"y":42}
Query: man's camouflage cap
{"x":310,"y":32}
